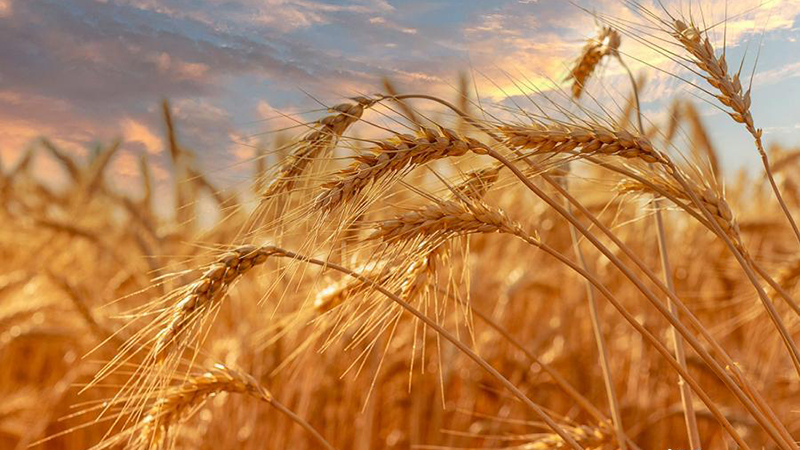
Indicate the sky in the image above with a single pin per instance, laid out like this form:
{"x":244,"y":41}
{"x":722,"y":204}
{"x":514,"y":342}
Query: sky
{"x":84,"y":72}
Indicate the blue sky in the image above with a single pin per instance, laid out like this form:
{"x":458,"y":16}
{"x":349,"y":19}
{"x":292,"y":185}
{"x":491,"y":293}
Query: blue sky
{"x":83,"y":71}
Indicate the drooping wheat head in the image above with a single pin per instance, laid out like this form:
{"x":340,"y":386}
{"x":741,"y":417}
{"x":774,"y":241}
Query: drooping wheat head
{"x":198,"y":297}
{"x":444,"y":219}
{"x":604,"y":44}
{"x":716,"y":68}
{"x":179,"y":402}
{"x":392,"y":157}
{"x":713,"y":200}
{"x":316,"y":144}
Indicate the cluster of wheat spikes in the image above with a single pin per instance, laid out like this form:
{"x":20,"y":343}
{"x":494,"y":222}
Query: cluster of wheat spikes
{"x":494,"y":278}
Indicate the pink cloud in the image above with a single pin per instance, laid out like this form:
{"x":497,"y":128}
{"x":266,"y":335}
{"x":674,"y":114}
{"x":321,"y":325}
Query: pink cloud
{"x":6,"y":8}
{"x":136,"y":132}
{"x":181,"y":69}
{"x":384,"y":23}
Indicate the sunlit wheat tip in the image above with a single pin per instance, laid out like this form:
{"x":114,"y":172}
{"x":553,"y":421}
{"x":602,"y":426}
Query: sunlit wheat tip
{"x":730,"y":88}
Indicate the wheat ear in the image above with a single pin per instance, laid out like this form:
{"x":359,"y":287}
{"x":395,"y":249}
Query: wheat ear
{"x":209,"y":289}
{"x":731,"y":95}
{"x":445,"y":218}
{"x":605,"y":43}
{"x":177,"y":403}
{"x":714,"y":202}
{"x":393,"y":156}
{"x":316,"y":143}
{"x":588,"y":140}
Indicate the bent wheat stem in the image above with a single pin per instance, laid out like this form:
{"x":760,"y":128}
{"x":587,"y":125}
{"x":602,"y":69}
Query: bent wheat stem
{"x":279,"y":252}
{"x":491,"y":225}
{"x":699,"y":46}
{"x":773,"y":426}
{"x":756,"y":412}
{"x":677,"y":340}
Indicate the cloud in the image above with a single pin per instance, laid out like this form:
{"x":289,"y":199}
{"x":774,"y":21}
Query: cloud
{"x":382,"y":22}
{"x":508,"y":23}
{"x":242,"y":147}
{"x":278,"y":119}
{"x":5,"y":8}
{"x":778,"y":74}
{"x":126,"y":165}
{"x":15,"y":137}
{"x":137,"y":133}
{"x":516,"y":50}
{"x":83,"y":71}
{"x":24,"y":118}
{"x":280,"y":15}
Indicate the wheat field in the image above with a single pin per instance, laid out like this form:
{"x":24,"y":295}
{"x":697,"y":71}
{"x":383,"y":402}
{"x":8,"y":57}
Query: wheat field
{"x":405,"y":270}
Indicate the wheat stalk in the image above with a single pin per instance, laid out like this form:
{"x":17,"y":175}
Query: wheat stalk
{"x":393,"y":156}
{"x":208,"y":290}
{"x":588,"y":140}
{"x":316,"y":143}
{"x":179,"y":402}
{"x":698,"y":45}
{"x":604,"y":44}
